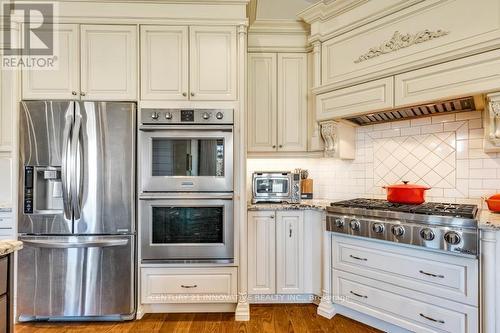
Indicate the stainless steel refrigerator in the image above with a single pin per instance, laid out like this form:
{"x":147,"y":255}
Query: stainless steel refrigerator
{"x":76,"y":211}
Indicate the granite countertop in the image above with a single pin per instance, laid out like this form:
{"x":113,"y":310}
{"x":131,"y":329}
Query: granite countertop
{"x":316,"y":204}
{"x":9,"y":246}
{"x":489,"y":220}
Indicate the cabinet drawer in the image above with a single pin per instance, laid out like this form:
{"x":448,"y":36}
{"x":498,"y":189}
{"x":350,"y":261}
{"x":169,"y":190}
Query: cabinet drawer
{"x":4,"y":275}
{"x":359,"y":99}
{"x":466,"y":76}
{"x":424,"y":34}
{"x":418,"y":313}
{"x":5,"y":222}
{"x":188,"y":285}
{"x":443,"y":275}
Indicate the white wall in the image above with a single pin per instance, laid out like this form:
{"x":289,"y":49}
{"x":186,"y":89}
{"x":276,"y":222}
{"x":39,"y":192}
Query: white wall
{"x":444,"y":152}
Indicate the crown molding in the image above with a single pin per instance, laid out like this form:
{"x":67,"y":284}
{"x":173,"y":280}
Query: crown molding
{"x":279,"y":26}
{"x":278,"y":36}
{"x":329,"y":19}
{"x":327,"y":9}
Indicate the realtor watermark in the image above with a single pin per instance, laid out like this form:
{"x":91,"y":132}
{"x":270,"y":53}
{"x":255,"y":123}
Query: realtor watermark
{"x":28,"y":38}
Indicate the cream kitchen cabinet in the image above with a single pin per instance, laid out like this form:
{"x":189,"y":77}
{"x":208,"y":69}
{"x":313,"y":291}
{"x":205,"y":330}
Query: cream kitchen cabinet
{"x":164,"y":62}
{"x":95,"y":62}
{"x":262,"y":252}
{"x":63,"y":82}
{"x":290,"y":252}
{"x":276,"y":244}
{"x":283,"y":255}
{"x":188,"y":63}
{"x":277,"y":102}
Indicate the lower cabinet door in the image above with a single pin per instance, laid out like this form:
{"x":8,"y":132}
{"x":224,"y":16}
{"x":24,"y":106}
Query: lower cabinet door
{"x":4,"y":313}
{"x":261,"y":252}
{"x":289,"y":252}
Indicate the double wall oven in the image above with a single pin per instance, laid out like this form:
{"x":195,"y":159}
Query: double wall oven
{"x":186,"y":181}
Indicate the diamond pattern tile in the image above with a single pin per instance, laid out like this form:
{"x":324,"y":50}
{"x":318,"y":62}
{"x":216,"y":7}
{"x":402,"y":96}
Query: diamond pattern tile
{"x":428,"y":159}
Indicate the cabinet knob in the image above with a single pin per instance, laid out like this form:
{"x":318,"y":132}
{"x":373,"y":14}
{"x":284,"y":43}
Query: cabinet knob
{"x":192,"y":94}
{"x":274,"y":146}
{"x":280,"y":146}
{"x":73,"y":93}
{"x":82,"y":93}
{"x":184,"y":94}
{"x":272,"y":216}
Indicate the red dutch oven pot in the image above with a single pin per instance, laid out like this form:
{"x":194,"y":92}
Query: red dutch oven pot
{"x":406,"y":193}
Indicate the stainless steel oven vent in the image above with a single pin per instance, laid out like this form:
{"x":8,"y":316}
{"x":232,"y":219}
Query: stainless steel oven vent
{"x":455,"y":105}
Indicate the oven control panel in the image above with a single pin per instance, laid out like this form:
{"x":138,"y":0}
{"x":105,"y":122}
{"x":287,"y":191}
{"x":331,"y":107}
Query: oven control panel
{"x":151,"y":116}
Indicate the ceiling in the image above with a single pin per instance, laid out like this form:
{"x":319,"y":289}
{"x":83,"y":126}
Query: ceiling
{"x":280,"y":9}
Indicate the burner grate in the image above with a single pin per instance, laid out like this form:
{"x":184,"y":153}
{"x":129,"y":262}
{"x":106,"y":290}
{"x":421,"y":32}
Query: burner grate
{"x":428,"y":208}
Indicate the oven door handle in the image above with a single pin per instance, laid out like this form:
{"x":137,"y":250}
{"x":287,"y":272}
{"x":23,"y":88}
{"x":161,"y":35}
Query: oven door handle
{"x":149,"y":128}
{"x":186,"y":196}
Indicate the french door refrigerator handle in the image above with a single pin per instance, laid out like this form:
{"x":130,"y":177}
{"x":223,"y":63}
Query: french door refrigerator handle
{"x":76,"y":159}
{"x":80,"y":244}
{"x":67,"y":162}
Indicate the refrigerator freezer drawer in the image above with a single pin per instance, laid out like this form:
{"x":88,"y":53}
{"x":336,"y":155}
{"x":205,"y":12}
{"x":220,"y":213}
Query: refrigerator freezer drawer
{"x":64,"y":277}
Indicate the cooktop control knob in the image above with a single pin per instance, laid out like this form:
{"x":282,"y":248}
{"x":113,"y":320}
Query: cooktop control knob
{"x":378,"y":228}
{"x":452,"y":238}
{"x":398,"y":230}
{"x":168,"y":115}
{"x":206,"y":115}
{"x":339,"y":223}
{"x":219,"y":115}
{"x":155,"y":115}
{"x":354,"y":224}
{"x":427,"y":234}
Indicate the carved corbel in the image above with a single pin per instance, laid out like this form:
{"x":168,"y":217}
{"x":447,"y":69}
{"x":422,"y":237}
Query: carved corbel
{"x":493,"y":112}
{"x":329,"y":134}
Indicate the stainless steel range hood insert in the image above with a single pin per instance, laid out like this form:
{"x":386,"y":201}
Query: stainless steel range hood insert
{"x":455,"y":105}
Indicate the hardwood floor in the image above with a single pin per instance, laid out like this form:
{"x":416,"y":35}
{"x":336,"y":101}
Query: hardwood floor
{"x":296,"y":318}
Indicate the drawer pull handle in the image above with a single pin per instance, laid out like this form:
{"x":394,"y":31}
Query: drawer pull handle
{"x":359,"y":295}
{"x":432,"y":319}
{"x":433,"y":275}
{"x":358,"y":258}
{"x":188,"y":287}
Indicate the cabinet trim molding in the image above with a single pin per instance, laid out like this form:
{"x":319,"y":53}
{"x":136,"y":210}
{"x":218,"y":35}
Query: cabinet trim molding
{"x":400,"y":41}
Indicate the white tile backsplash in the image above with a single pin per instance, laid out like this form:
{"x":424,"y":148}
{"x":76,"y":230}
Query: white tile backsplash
{"x":444,"y":152}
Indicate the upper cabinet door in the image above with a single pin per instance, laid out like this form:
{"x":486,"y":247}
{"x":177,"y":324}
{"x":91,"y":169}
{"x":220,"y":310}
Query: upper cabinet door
{"x":62,"y":82}
{"x":164,"y":63}
{"x":292,"y":102}
{"x":212,"y":63}
{"x":109,"y":62}
{"x":262,"y":115}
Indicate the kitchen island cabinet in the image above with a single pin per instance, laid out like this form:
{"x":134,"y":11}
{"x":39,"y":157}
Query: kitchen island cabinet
{"x":7,"y":249}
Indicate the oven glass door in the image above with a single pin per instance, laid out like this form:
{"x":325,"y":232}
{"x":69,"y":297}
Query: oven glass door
{"x":186,"y":160}
{"x":187,"y":229}
{"x":272,"y":187}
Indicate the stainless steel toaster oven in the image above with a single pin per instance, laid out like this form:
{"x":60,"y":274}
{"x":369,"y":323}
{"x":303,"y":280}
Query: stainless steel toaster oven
{"x":276,"y":186}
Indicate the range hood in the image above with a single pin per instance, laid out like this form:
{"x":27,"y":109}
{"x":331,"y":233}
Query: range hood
{"x":455,"y":105}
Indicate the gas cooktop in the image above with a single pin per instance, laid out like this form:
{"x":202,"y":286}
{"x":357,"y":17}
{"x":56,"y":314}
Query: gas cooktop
{"x":428,"y":208}
{"x":438,"y":226}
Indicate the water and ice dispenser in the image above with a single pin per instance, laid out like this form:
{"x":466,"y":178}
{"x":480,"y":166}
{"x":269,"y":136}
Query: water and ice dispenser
{"x":42,"y":190}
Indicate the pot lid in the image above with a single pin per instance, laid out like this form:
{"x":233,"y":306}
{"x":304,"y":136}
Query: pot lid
{"x":406,"y":185}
